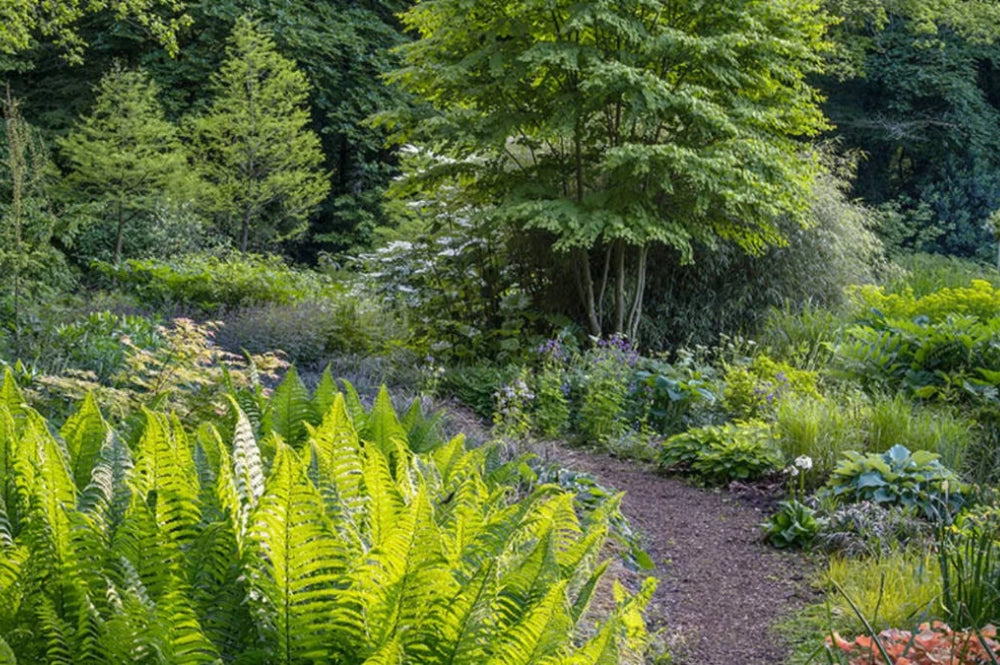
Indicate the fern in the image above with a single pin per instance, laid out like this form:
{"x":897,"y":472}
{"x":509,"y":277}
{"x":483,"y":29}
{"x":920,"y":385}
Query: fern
{"x":351,"y":548}
{"x":298,"y":564}
{"x":85,"y":433}
{"x":289,"y":410}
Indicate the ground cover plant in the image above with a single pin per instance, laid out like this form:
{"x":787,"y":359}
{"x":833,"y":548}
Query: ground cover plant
{"x":286,"y":543}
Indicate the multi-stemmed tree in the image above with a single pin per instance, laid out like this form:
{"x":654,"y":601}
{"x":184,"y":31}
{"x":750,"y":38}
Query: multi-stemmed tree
{"x":618,"y":124}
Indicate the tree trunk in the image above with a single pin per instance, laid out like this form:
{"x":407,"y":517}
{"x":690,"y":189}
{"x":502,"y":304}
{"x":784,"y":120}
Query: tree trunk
{"x":245,"y":230}
{"x":120,"y":234}
{"x":585,"y":286}
{"x":620,"y":288}
{"x":635,"y":316}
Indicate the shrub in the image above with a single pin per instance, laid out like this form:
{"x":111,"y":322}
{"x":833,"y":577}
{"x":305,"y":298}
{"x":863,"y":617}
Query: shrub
{"x":669,"y":393}
{"x":226,"y":545}
{"x":899,"y":477}
{"x":475,"y":385}
{"x":211,"y":283}
{"x":552,"y":389}
{"x":755,"y":389}
{"x":720,"y":454}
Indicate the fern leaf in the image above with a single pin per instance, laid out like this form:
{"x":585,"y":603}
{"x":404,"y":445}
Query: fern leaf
{"x":541,"y":632}
{"x":85,"y":433}
{"x":7,"y":656}
{"x":355,"y":407}
{"x":391,"y":653}
{"x":324,"y":395}
{"x":385,"y":500}
{"x":335,"y":461}
{"x":383,"y":428}
{"x":164,"y":477}
{"x":248,"y":470}
{"x":289,"y":409}
{"x":298,"y":564}
{"x":405,"y":579}
{"x":10,"y":393}
{"x":57,"y":647}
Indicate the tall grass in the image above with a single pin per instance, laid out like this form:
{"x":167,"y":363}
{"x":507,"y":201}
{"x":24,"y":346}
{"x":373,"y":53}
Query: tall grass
{"x":901,"y":588}
{"x":927,"y":273}
{"x":819,"y":429}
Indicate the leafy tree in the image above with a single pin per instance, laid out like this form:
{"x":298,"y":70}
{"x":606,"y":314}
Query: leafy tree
{"x":22,"y":20}
{"x":617,"y":125}
{"x":254,"y":147}
{"x":27,"y":224}
{"x":124,"y":155}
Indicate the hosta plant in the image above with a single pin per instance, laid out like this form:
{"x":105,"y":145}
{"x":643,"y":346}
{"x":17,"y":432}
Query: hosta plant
{"x":794,"y":524}
{"x":293,"y":541}
{"x":899,"y":477}
{"x":723,"y":453}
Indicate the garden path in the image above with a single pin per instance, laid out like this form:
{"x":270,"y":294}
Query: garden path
{"x":721,"y":589}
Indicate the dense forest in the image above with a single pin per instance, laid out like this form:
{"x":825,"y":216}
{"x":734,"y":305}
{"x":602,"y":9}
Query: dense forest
{"x":740,"y":241}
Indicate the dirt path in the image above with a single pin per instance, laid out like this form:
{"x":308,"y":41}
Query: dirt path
{"x":720,"y":588}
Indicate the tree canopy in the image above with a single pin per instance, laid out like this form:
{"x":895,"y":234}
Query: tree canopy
{"x":617,"y":125}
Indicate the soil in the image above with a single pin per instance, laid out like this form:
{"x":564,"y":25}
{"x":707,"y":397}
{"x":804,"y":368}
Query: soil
{"x":720,"y":588}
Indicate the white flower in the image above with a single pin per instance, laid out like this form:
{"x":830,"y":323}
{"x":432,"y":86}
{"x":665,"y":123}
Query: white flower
{"x":804,"y":462}
{"x":793,"y":471}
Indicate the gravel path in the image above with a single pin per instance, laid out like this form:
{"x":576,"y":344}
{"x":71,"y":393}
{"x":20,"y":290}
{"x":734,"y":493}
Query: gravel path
{"x":720,"y":588}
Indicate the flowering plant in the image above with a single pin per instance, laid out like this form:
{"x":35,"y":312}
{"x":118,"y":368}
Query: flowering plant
{"x":510,"y":413}
{"x":552,"y":411}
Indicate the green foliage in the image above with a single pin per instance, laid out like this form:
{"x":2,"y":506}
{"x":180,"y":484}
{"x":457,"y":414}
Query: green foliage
{"x":978,"y":299}
{"x":94,"y":343}
{"x":819,"y":429}
{"x":794,"y":524}
{"x":719,"y":454}
{"x":899,"y":477}
{"x":212,"y":283}
{"x":233,"y":545}
{"x":551,"y":415}
{"x":901,"y":588}
{"x":671,"y":392}
{"x":124,"y":156}
{"x":631,"y":140}
{"x":755,"y":389}
{"x":253,"y":145}
{"x":869,"y":529}
{"x":607,"y":372}
{"x":512,"y":408}
{"x":23,"y":22}
{"x":969,"y":558}
{"x":475,"y":385}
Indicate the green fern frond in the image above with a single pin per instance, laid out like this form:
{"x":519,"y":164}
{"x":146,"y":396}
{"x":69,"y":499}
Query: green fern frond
{"x":289,"y":410}
{"x":248,"y":469}
{"x":391,"y":653}
{"x":164,"y":477}
{"x":10,"y":393}
{"x":324,"y":395}
{"x":298,"y":564}
{"x":333,"y":455}
{"x":57,"y":646}
{"x":355,"y":407}
{"x":383,"y":428}
{"x":7,"y":656}
{"x":385,"y":498}
{"x":85,"y":433}
{"x":405,"y":578}
{"x":585,"y":594}
{"x":543,"y":631}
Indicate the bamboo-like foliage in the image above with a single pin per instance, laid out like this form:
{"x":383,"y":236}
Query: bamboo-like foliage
{"x":340,"y":545}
